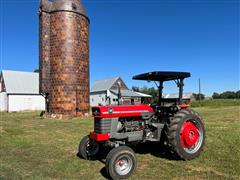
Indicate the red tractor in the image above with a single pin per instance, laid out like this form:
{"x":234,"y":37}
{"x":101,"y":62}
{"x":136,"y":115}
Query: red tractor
{"x":120,"y":126}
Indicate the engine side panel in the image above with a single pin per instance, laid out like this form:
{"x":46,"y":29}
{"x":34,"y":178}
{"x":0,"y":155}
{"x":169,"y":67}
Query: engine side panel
{"x":126,"y":123}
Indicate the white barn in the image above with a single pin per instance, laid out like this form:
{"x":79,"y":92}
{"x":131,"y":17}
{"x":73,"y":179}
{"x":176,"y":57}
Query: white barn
{"x":19,"y":91}
{"x":105,"y":92}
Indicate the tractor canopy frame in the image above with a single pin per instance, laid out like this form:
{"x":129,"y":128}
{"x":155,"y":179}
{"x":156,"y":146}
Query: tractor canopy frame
{"x":161,"y":77}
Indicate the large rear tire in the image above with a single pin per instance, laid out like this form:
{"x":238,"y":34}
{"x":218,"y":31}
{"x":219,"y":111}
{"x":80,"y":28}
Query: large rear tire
{"x":186,"y":134}
{"x":88,"y":149}
{"x":121,"y":163}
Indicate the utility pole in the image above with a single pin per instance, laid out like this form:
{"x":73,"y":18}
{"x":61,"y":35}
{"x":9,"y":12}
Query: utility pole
{"x":199,"y":90}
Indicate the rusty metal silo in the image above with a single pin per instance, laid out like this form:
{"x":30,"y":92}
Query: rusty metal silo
{"x":64,"y":56}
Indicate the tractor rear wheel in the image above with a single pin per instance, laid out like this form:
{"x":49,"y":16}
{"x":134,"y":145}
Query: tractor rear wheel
{"x":121,"y":162}
{"x":88,"y":149}
{"x":186,"y":134}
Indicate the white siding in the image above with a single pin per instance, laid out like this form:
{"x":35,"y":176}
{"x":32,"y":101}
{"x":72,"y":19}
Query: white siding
{"x":96,"y":99}
{"x":3,"y":101}
{"x":113,"y":97}
{"x":100,"y":98}
{"x":26,"y":103}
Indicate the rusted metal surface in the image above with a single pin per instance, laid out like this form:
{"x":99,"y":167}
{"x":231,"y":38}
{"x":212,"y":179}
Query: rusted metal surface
{"x":64,"y":56}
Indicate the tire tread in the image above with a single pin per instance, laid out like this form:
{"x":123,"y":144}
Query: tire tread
{"x":172,"y":131}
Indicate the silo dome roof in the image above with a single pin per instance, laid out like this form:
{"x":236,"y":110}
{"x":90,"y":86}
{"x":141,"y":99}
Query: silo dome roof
{"x":68,"y":5}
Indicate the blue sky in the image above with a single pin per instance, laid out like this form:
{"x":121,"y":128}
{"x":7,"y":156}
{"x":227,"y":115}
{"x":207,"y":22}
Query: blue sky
{"x":129,"y":37}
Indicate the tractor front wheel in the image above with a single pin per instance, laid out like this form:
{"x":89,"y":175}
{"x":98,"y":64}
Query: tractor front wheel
{"x":186,"y":134}
{"x":88,"y":148}
{"x":121,"y":162}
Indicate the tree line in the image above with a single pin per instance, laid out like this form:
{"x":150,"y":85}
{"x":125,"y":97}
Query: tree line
{"x":227,"y":95}
{"x":154,"y":93}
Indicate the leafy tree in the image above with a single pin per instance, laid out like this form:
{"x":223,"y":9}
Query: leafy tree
{"x":238,"y":94}
{"x":135,"y":88}
{"x":199,"y":96}
{"x":215,"y":95}
{"x":228,"y":95}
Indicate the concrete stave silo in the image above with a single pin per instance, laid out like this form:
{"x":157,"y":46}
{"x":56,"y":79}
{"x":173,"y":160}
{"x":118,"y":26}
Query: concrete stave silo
{"x":64,"y":56}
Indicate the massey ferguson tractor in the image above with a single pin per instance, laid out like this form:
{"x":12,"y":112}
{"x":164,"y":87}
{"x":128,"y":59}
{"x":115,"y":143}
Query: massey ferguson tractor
{"x":118,"y":127}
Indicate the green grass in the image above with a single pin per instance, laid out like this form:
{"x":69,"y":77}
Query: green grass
{"x":35,"y":148}
{"x":216,"y":103}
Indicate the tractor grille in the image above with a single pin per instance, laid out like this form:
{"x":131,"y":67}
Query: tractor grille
{"x":102,"y":125}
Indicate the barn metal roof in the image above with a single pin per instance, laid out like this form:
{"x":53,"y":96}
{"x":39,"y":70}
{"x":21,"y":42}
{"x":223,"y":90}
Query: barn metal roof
{"x":186,"y":95}
{"x":17,"y":82}
{"x":143,"y":95}
{"x":106,"y":84}
{"x":103,"y":85}
{"x":130,"y":93}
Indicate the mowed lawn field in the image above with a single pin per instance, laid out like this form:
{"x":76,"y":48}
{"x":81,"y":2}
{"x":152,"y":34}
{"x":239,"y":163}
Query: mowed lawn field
{"x":35,"y":148}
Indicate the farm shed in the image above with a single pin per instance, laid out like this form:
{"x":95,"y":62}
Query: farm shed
{"x":19,"y":91}
{"x":105,"y":92}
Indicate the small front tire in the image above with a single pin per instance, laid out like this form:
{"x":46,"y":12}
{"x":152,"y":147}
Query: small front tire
{"x":88,"y":148}
{"x":121,"y":163}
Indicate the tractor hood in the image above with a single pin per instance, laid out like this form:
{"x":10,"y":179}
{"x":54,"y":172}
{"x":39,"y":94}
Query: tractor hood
{"x":121,"y":111}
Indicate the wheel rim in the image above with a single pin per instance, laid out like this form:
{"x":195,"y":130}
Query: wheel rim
{"x":92,"y":148}
{"x":191,"y":136}
{"x":123,"y":165}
